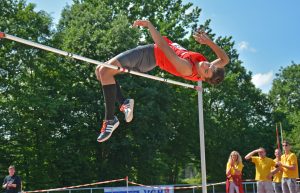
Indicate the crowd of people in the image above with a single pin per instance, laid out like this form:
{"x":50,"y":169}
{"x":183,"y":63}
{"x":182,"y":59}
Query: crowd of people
{"x":276,"y":175}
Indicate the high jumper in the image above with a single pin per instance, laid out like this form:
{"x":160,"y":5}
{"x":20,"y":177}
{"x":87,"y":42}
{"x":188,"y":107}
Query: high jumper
{"x":169,"y":56}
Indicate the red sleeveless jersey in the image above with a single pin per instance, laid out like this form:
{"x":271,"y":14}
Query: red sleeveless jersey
{"x":192,"y":57}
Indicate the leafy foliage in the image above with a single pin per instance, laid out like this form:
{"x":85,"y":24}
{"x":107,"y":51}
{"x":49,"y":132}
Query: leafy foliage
{"x":51,"y":106}
{"x":285,"y":99}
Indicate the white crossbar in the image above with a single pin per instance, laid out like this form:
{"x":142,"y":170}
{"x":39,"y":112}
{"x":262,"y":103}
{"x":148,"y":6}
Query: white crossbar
{"x":64,"y":53}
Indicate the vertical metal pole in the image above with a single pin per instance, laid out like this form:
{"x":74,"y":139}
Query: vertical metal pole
{"x":127,"y":183}
{"x":201,"y":133}
{"x":281,"y":133}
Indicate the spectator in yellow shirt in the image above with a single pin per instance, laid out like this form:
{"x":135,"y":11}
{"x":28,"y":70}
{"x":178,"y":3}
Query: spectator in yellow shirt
{"x":234,"y":169}
{"x":277,"y":175}
{"x":289,"y":164}
{"x":263,"y":172}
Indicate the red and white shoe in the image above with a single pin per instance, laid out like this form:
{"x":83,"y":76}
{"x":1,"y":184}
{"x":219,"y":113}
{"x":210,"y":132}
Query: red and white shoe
{"x":127,"y":109}
{"x":107,"y":129}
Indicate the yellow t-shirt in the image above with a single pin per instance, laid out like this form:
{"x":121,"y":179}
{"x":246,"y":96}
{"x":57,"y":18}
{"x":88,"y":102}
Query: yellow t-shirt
{"x":289,"y":159}
{"x":238,"y":167}
{"x":263,"y":167}
{"x":277,"y":177}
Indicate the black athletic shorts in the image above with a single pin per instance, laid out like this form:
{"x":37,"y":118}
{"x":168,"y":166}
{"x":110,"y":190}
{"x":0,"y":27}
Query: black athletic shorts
{"x":141,"y":58}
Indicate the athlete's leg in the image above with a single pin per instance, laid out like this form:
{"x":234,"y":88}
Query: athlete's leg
{"x":140,"y":59}
{"x":126,"y":105}
{"x":106,"y":77}
{"x":120,"y":97}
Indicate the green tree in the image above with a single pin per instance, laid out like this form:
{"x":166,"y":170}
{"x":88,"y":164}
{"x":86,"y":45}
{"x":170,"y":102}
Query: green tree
{"x":285,"y":99}
{"x":23,"y":133}
{"x":51,"y":106}
{"x":236,"y":107}
{"x":147,"y":150}
{"x":237,"y":115}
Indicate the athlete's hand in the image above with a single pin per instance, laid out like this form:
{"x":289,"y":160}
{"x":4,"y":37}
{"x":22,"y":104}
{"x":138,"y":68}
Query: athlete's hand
{"x":201,"y":37}
{"x":142,"y":23}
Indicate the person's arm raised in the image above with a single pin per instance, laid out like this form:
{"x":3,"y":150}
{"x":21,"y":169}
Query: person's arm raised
{"x":222,"y":59}
{"x":181,"y":65}
{"x":249,"y":155}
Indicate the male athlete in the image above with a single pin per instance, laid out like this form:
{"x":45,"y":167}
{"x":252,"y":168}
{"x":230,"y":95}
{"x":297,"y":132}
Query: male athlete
{"x":169,"y":56}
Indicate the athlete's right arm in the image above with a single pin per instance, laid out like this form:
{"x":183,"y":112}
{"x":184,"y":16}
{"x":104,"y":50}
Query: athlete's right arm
{"x":181,"y":65}
{"x":222,"y":59}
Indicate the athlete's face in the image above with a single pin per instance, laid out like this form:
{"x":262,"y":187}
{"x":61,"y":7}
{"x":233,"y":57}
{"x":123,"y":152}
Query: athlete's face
{"x":205,"y":69}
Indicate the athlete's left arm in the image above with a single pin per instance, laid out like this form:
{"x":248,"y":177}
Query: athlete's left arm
{"x":181,"y":65}
{"x":222,"y":59}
